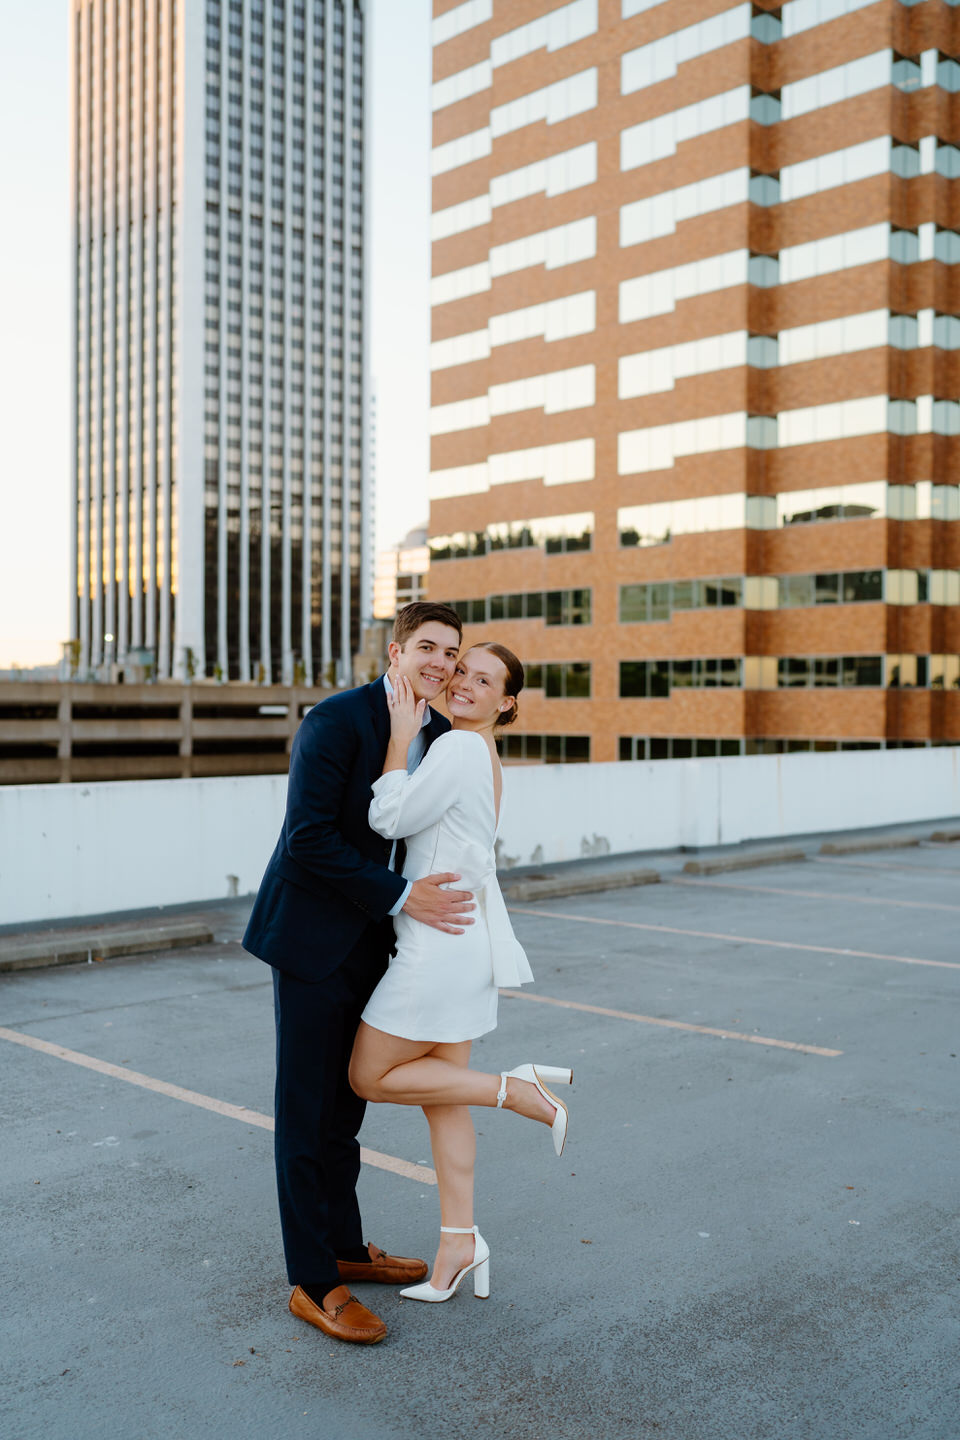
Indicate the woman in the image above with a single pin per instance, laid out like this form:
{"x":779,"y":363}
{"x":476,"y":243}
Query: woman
{"x":440,"y":991}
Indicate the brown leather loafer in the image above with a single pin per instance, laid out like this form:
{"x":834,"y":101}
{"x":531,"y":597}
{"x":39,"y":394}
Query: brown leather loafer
{"x":383,"y":1269}
{"x":341,"y":1316}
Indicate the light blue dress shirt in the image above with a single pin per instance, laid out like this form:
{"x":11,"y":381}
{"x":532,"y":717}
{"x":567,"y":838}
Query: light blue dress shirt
{"x":418,"y":747}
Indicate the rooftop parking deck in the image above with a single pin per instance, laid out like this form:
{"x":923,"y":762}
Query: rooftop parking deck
{"x":753,"y":1233}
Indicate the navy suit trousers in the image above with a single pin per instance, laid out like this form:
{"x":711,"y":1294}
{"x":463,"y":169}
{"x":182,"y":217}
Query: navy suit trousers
{"x":317,"y":1114}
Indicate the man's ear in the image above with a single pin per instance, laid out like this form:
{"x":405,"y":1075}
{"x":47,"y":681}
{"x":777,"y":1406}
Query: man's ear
{"x":393,"y":653}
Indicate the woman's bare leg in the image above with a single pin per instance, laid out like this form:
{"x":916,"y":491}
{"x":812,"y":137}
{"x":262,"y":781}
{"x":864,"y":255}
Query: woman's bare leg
{"x":454,"y":1146}
{"x":390,"y":1070}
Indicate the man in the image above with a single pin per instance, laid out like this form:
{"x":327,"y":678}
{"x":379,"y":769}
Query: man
{"x":322,"y":920}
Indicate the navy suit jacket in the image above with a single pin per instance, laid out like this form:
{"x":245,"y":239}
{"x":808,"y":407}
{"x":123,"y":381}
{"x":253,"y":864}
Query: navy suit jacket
{"x":328,"y":877}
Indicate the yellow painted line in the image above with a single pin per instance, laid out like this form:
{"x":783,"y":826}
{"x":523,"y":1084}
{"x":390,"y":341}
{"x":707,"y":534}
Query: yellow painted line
{"x":814,"y":894}
{"x":673,"y":1024}
{"x":423,"y":1173}
{"x":736,"y":939}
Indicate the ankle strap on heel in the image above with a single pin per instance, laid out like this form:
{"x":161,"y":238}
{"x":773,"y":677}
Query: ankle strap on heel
{"x":502,"y":1092}
{"x":455,"y":1230}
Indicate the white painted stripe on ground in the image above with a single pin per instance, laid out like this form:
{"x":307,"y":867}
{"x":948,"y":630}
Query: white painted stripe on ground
{"x":737,"y":939}
{"x":673,"y":1024}
{"x":904,"y":869}
{"x":422,"y":1173}
{"x":814,"y":894}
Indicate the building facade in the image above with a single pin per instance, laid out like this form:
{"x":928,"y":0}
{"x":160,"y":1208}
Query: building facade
{"x":219,"y":257}
{"x":401,"y":575}
{"x":696,"y":360}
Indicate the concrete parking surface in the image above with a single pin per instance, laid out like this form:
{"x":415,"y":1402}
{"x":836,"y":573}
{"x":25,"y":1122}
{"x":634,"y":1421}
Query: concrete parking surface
{"x":753,"y":1233}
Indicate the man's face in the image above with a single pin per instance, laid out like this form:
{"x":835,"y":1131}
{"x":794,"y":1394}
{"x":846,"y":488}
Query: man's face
{"x":427,"y":659}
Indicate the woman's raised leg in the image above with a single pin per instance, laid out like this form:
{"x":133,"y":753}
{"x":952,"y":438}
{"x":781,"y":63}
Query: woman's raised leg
{"x":390,"y":1070}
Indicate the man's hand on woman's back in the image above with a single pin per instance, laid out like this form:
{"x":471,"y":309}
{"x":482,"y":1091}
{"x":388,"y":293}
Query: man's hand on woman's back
{"x":445,"y":910}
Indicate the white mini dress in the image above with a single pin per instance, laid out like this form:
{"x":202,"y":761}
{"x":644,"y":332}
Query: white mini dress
{"x":443,"y":987}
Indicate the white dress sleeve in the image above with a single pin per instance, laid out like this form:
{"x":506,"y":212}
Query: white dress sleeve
{"x":405,"y":804}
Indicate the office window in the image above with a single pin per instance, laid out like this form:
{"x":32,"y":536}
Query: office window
{"x":462,"y":85}
{"x":556,"y":102}
{"x":660,"y":214}
{"x":556,"y":175}
{"x":553,"y":31}
{"x":562,"y":245}
{"x":462,"y":151}
{"x":564,"y":680}
{"x":659,"y":59}
{"x":553,"y":320}
{"x":547,"y":749}
{"x":461,"y":18}
{"x":657,"y":138}
{"x":830,"y":671}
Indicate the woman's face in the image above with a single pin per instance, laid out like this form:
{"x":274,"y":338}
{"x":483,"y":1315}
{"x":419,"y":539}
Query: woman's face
{"x":477,"y":691}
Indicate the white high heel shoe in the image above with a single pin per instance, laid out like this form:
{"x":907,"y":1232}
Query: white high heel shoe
{"x":479,"y":1266}
{"x":537,"y":1074}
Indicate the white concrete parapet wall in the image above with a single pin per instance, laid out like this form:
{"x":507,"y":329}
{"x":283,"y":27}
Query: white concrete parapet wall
{"x":74,"y":850}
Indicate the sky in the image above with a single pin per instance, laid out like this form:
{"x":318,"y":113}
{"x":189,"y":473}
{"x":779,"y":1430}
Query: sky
{"x":35,"y":299}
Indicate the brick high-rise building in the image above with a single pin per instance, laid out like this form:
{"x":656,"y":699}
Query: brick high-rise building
{"x":219,"y":386}
{"x":695,"y":368}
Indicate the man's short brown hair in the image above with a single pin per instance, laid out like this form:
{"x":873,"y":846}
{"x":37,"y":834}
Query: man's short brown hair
{"x":422,"y":612}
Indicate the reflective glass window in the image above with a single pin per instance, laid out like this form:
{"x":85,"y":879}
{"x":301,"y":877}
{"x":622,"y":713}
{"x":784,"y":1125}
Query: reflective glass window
{"x":764,"y":189}
{"x":461,"y":18}
{"x":946,"y":332}
{"x":559,"y":101}
{"x":765,"y":25}
{"x":948,"y":72}
{"x":904,"y":245}
{"x":553,"y":320}
{"x":659,"y":137}
{"x":946,"y":246}
{"x":462,"y":85}
{"x":462,"y":151}
{"x":861,"y":585}
{"x":905,"y":72}
{"x":560,"y":27}
{"x":841,"y":82}
{"x":763,"y":270}
{"x":659,"y":59}
{"x":904,"y":159}
{"x":837,"y":167}
{"x":554,"y":176}
{"x":947,"y":160}
{"x":762,"y":351}
{"x":902,"y":331}
{"x":834,"y":252}
{"x":458,"y":218}
{"x":800,"y":15}
{"x":765,"y":106}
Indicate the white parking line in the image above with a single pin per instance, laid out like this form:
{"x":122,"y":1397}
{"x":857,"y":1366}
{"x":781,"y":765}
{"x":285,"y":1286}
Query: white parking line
{"x":737,"y":939}
{"x":673,"y":1024}
{"x":814,"y":894}
{"x":421,"y":1173}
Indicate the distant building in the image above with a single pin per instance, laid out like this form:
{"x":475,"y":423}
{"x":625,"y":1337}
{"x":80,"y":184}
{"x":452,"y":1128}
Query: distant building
{"x":696,"y":435}
{"x":220,"y":391}
{"x":401,"y":575}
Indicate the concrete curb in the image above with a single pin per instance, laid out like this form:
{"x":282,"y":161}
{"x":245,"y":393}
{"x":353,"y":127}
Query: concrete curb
{"x":98,"y":942}
{"x":858,"y":847}
{"x":555,"y":888}
{"x":743,"y":862}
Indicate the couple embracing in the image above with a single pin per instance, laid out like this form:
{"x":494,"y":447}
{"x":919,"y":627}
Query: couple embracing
{"x":382,"y":973}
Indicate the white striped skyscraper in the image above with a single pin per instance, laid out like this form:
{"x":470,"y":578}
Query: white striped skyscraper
{"x":219,"y":151}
